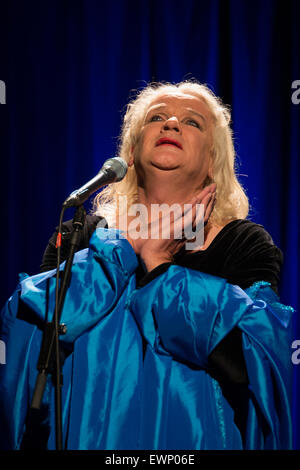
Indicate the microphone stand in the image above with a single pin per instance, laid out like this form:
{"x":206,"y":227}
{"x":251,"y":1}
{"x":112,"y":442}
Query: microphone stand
{"x":49,"y":358}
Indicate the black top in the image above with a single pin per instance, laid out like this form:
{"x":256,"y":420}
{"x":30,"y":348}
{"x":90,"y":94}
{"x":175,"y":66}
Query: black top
{"x":242,"y":253}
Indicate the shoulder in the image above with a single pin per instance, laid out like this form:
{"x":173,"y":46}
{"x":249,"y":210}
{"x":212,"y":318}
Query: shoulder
{"x":242,"y":252}
{"x":50,"y":253}
{"x":250,"y":253}
{"x":90,"y":224}
{"x":249,"y":238}
{"x":243,"y":231}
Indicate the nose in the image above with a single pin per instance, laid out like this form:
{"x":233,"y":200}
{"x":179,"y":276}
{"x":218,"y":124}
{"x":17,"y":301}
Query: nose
{"x":172,"y":123}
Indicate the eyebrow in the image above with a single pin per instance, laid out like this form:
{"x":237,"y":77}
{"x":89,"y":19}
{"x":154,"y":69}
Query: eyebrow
{"x":163,"y":105}
{"x":197,"y":114}
{"x":155,"y":107}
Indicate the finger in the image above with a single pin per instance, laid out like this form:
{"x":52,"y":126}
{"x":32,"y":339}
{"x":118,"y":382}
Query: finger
{"x":171,"y":223}
{"x":209,"y":208}
{"x":211,"y":188}
{"x":203,"y":197}
{"x":194,"y":219}
{"x":186,"y":217}
{"x":205,"y":202}
{"x":199,"y":199}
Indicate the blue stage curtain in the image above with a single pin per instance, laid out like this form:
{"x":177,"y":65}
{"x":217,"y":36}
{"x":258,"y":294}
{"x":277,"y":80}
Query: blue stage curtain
{"x":70,"y":67}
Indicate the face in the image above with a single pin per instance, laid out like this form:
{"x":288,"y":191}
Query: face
{"x":176,"y":138}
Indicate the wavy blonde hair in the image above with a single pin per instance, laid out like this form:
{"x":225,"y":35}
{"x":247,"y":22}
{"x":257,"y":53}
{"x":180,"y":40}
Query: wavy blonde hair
{"x":231,"y":202}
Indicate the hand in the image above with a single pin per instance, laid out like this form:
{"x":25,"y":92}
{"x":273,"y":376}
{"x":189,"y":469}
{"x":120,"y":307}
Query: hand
{"x":170,"y":239}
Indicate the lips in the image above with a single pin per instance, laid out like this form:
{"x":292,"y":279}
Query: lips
{"x":168,"y":141}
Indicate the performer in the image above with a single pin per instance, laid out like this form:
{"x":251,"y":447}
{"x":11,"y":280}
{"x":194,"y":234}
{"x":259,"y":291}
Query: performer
{"x":166,"y":347}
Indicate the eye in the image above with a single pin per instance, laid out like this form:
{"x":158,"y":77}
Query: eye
{"x":192,"y":122}
{"x":155,"y":117}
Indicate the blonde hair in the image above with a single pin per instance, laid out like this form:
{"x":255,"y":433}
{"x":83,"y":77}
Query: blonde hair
{"x":231,"y":202}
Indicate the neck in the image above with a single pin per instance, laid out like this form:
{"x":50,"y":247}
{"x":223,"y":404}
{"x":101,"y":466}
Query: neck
{"x":167,"y":192}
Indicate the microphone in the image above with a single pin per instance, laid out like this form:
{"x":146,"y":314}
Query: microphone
{"x":113,"y":170}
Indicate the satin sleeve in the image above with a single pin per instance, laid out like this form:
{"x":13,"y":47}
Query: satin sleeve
{"x":100,"y":276}
{"x":110,"y":259}
{"x":188,"y":314}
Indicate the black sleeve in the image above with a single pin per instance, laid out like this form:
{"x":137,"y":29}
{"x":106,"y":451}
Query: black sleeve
{"x":250,"y":256}
{"x":242,"y":253}
{"x":254,"y":257}
{"x":50,"y":254}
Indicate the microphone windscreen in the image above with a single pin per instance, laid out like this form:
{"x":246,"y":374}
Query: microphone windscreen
{"x":118,"y":166}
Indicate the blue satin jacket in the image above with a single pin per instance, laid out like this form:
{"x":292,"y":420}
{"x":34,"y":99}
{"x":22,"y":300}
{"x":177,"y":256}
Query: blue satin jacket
{"x":119,"y":394}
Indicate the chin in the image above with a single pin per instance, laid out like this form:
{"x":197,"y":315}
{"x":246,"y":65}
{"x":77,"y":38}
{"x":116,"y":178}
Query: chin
{"x":168,"y":169}
{"x":165,"y":164}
